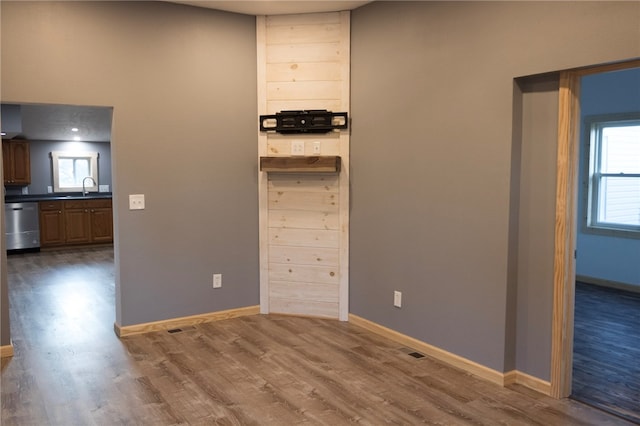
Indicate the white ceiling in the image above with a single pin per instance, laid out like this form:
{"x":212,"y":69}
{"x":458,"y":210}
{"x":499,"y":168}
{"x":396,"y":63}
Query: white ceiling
{"x":268,"y":7}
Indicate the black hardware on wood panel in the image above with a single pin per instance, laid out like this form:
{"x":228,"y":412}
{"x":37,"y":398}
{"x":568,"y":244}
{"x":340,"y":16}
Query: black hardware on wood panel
{"x":304,"y":121}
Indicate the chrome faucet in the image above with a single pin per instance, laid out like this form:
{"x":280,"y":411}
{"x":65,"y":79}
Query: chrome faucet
{"x":84,"y":190}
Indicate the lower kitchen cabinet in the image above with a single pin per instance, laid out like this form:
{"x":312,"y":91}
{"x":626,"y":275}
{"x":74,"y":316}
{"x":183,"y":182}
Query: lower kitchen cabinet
{"x":77,"y":222}
{"x":52,"y":231}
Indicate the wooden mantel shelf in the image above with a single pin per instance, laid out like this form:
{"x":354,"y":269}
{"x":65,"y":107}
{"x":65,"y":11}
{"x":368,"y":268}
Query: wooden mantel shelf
{"x":325,"y":164}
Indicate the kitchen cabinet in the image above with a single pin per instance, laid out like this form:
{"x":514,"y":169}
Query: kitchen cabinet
{"x":52,"y":231}
{"x":16,"y":162}
{"x":79,"y":222}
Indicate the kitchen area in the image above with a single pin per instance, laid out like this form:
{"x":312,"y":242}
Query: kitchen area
{"x":57,"y":176}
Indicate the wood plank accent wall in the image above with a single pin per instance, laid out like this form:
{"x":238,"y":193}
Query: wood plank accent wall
{"x":303,"y":63}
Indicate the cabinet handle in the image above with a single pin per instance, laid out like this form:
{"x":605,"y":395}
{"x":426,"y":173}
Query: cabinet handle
{"x":92,"y":211}
{"x":59,"y":211}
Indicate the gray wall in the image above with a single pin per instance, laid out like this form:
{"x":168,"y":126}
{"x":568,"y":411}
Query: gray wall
{"x":182,"y":82}
{"x":432,"y":107}
{"x":536,"y":224}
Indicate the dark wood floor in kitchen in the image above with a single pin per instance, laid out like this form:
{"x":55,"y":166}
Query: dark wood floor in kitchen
{"x":606,"y":358}
{"x":70,"y":369}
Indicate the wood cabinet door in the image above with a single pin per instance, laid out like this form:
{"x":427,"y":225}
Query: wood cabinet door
{"x":51,"y":228}
{"x":101,"y":225}
{"x":77,"y":226}
{"x":21,"y":162}
{"x":6,"y":162}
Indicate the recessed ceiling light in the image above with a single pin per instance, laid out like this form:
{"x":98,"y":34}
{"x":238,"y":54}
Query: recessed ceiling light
{"x":74,"y":129}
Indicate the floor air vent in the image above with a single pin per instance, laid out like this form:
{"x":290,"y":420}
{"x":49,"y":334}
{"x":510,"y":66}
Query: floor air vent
{"x":181,"y":329}
{"x":412,"y":352}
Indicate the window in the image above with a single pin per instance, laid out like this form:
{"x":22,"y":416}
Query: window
{"x":614,"y":175}
{"x":70,"y":169}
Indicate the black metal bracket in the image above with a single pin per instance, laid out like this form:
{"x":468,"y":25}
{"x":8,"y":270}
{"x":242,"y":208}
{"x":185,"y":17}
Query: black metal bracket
{"x":304,"y":121}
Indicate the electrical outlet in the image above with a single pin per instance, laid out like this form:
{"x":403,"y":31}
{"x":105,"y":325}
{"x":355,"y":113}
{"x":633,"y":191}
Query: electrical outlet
{"x":397,"y":299}
{"x":136,"y":201}
{"x":217,"y":280}
{"x":297,"y":147}
{"x":317,"y":147}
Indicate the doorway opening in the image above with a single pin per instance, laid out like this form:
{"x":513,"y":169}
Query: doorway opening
{"x":566,"y":224}
{"x":63,"y":286}
{"x":605,"y":370}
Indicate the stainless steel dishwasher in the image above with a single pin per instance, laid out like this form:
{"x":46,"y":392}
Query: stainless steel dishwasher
{"x":22,"y":226}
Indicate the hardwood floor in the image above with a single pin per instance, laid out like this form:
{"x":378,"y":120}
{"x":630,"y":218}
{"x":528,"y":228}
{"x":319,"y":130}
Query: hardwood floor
{"x":606,"y":358}
{"x":70,"y":369}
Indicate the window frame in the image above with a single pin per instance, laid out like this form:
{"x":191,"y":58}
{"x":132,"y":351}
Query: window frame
{"x":592,"y":178}
{"x":75,"y":155}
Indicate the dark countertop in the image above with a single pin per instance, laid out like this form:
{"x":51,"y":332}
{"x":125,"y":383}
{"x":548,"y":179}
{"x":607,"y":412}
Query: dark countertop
{"x":56,"y":197}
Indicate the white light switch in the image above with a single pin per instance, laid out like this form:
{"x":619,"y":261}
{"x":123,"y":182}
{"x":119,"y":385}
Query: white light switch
{"x":136,"y":201}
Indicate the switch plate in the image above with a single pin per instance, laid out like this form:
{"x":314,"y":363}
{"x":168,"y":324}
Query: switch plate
{"x":297,"y":147}
{"x":136,"y":201}
{"x":397,"y":299}
{"x":317,"y":147}
{"x":49,"y":189}
{"x":217,"y":280}
{"x":103,"y":188}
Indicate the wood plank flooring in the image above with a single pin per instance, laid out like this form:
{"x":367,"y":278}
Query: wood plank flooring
{"x":606,"y":359}
{"x":70,"y":369}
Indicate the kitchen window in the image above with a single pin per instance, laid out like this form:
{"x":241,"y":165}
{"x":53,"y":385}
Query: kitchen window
{"x":71,"y":169}
{"x":613,"y":205}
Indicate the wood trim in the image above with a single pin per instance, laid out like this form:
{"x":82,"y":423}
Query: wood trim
{"x":528,"y":381}
{"x":345,"y":174}
{"x":435,"y":352}
{"x":326,"y":164}
{"x":617,"y":66}
{"x":634,"y":288}
{"x":168,"y":324}
{"x":263,"y":179}
{"x":6,"y":351}
{"x":566,"y":223}
{"x":565,"y":235}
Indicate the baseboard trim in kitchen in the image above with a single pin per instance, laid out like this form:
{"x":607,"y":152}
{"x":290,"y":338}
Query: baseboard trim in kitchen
{"x":173,"y":323}
{"x":6,"y":351}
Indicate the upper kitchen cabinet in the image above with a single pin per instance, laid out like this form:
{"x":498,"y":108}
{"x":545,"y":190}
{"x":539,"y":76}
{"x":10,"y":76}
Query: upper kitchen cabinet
{"x":16,"y":162}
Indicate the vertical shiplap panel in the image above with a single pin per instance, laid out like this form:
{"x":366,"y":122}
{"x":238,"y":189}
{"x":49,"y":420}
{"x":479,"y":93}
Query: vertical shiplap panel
{"x":303,"y":63}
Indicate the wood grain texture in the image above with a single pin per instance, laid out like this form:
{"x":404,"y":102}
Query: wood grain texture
{"x":565,"y":238}
{"x":606,"y":355}
{"x":70,"y":369}
{"x":6,"y":351}
{"x":564,"y":263}
{"x":313,"y":164}
{"x":304,"y":218}
{"x":188,"y":321}
{"x":451,"y":359}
